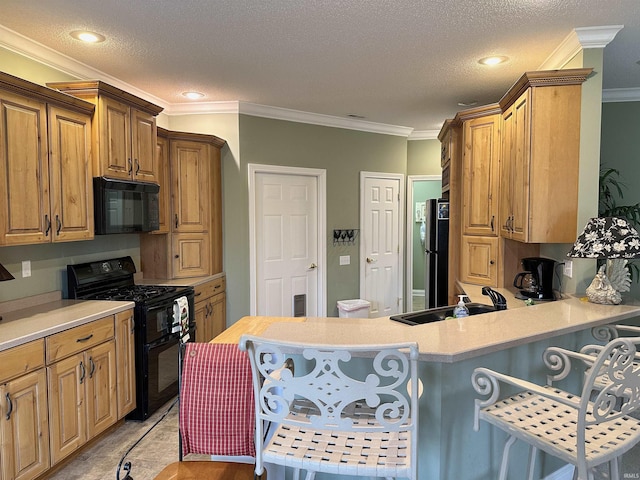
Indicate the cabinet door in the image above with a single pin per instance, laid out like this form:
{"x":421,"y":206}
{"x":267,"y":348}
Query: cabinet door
{"x":480,"y":175}
{"x":126,"y":362}
{"x":101,"y":400}
{"x":191,"y":255}
{"x":190,"y":182}
{"x":508,"y":123}
{"x":202,"y":320}
{"x":24,"y":171}
{"x":115,"y":139}
{"x":24,"y":429}
{"x":143,"y":146}
{"x":218,"y":314}
{"x":164,"y":197}
{"x":478,"y":263}
{"x":520,"y":159}
{"x":67,"y":417}
{"x":71,"y":175}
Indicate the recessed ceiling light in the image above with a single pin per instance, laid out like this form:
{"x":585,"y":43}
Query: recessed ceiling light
{"x":472,"y":103}
{"x":87,"y":37}
{"x":495,"y":60}
{"x":193,"y":95}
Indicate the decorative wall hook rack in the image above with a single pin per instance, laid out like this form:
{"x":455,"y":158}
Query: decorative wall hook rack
{"x":345,"y":236}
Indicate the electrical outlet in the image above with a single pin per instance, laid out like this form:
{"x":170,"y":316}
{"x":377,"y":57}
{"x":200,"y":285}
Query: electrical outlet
{"x":568,"y":268}
{"x":26,"y":268}
{"x":345,"y":259}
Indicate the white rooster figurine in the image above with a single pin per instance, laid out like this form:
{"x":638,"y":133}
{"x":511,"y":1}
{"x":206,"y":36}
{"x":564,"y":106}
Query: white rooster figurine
{"x":605,"y":289}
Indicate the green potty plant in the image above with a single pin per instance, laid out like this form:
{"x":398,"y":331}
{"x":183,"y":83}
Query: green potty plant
{"x":610,"y":191}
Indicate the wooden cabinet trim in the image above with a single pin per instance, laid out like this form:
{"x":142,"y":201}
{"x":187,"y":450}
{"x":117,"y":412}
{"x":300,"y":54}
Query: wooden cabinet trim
{"x":544,"y":78}
{"x":97,"y":87}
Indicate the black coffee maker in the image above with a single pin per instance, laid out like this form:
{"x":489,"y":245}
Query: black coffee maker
{"x":536,"y":281}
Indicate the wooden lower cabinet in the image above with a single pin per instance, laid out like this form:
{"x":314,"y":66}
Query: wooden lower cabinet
{"x":479,"y":260}
{"x":24,"y":429}
{"x":59,"y":392}
{"x":210,"y":309}
{"x":82,"y":394}
{"x":125,"y":362}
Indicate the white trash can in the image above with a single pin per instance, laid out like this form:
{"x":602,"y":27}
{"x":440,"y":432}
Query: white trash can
{"x":356,"y":308}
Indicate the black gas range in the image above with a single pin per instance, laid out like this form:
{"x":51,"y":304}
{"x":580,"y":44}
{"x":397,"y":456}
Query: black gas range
{"x":157,"y":328}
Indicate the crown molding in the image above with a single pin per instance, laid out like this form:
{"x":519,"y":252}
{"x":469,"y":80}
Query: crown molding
{"x":579,"y":39}
{"x":298,"y":116}
{"x":424,"y":135}
{"x":621,"y":95}
{"x":232,"y":106}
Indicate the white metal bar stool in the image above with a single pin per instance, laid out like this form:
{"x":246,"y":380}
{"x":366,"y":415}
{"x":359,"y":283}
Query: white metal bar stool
{"x":586,"y":430}
{"x":344,"y":410}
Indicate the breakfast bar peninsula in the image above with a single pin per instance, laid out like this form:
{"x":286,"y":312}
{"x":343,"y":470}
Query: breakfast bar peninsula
{"x":509,"y":341}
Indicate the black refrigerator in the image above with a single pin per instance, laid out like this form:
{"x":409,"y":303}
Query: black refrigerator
{"x":436,"y":248}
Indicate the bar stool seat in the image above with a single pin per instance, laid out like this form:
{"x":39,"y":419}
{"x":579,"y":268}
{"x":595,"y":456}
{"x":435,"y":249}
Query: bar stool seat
{"x":341,"y":410}
{"x":585,"y":430}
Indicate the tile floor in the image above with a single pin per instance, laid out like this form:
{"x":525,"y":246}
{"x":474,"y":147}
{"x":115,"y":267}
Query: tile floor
{"x":157,"y":450}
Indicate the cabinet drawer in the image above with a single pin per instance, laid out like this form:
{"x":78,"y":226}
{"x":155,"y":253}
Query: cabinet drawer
{"x":21,"y":359}
{"x":210,"y":288}
{"x":77,"y":339}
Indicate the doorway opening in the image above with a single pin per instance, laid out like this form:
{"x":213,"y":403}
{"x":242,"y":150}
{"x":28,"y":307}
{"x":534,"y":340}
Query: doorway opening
{"x":419,"y":189}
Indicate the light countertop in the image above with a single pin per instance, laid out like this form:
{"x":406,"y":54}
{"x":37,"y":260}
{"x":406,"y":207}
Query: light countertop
{"x":447,"y":341}
{"x":38,"y":321}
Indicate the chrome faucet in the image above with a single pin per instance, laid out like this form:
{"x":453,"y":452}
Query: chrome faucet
{"x":498,"y":300}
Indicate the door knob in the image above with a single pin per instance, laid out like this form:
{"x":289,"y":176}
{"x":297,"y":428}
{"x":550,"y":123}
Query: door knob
{"x":312,"y":266}
{"x":371,"y":260}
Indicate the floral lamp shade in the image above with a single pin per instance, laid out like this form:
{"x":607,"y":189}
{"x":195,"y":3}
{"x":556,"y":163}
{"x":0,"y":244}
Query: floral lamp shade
{"x":607,"y":237}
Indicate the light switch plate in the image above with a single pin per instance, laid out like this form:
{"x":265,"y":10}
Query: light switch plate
{"x":26,"y":268}
{"x":345,"y":259}
{"x":568,"y":268}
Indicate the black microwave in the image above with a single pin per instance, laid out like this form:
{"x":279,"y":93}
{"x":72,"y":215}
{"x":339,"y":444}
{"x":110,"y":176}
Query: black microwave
{"x":123,"y":206}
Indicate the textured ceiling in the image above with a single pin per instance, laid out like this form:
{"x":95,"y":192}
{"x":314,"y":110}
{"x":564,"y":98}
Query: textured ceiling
{"x":396,"y":62}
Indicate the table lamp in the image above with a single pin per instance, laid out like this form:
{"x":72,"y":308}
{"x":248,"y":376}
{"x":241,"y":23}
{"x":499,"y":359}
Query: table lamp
{"x":615,"y":240}
{"x":4,"y":274}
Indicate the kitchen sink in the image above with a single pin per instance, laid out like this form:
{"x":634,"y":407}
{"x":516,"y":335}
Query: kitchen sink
{"x":440,"y":313}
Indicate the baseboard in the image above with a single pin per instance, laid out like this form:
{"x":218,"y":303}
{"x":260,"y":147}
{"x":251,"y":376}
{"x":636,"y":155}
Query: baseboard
{"x":564,"y":473}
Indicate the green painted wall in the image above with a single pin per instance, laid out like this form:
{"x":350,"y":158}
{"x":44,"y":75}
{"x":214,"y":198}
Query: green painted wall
{"x":620,"y":149}
{"x":423,"y":157}
{"x":343,"y":154}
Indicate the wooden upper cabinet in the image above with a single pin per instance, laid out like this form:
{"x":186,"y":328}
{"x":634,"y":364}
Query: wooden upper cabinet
{"x":190,"y":167}
{"x":45,"y":166}
{"x":70,"y":175}
{"x":192,"y":186}
{"x":541,"y":157}
{"x":480,"y":170}
{"x":125,"y":131}
{"x":164,"y":197}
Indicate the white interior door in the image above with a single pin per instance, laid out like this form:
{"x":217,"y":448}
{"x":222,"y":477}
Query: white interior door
{"x":289,"y":262}
{"x":381,"y":214}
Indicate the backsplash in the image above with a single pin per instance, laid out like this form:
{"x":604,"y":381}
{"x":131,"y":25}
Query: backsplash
{"x":49,"y":262}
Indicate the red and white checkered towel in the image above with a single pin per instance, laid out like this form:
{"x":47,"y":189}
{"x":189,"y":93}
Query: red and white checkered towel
{"x":217,"y":414}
